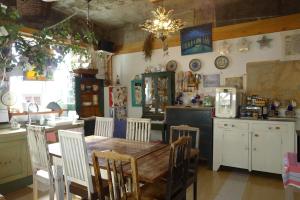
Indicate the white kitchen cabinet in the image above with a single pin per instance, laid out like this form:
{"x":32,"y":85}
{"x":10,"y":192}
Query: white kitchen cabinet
{"x":267,"y":146}
{"x":252,"y":144}
{"x":233,"y":133}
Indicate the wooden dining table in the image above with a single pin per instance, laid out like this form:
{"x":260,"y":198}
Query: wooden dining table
{"x":152,"y":158}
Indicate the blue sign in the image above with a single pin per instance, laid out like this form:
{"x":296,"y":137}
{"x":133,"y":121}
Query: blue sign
{"x":196,"y":39}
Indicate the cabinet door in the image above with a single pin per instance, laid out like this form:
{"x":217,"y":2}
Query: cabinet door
{"x":14,"y":160}
{"x":235,"y":148}
{"x":163,"y":93}
{"x":149,"y":98}
{"x":266,"y":151}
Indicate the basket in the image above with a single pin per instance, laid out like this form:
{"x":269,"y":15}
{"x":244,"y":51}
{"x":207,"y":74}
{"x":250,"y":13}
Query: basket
{"x":33,"y":8}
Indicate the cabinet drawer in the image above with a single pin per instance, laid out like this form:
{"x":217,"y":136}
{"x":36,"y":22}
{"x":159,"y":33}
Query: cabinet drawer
{"x":233,"y":125}
{"x":270,"y":127}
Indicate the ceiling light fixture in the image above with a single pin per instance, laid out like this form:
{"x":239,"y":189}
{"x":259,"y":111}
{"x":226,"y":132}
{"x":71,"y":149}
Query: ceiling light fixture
{"x":162,"y":24}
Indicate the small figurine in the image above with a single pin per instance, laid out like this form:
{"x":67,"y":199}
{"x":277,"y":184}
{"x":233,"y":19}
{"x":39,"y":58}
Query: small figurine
{"x":118,"y":80}
{"x":179,"y":99}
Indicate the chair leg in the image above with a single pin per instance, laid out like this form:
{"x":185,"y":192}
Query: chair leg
{"x":59,"y":182}
{"x":35,"y":188}
{"x":51,"y":191}
{"x":69,"y":194}
{"x":195,"y":189}
{"x":289,"y":193}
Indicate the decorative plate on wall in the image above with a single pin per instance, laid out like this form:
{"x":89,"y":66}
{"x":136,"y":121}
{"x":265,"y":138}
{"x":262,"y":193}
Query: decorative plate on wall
{"x":171,"y":66}
{"x":195,"y":65}
{"x":221,"y":62}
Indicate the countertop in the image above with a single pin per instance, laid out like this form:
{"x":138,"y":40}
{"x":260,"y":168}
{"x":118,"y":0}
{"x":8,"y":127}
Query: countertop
{"x":190,"y":107}
{"x":5,"y":129}
{"x":271,"y":119}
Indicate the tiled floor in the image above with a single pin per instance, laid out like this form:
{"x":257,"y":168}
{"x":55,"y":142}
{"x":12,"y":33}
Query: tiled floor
{"x":227,"y":184}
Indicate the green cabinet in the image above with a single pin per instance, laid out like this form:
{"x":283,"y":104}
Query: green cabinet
{"x":158,"y":93}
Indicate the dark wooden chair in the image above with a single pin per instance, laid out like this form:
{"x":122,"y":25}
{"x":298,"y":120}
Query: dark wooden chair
{"x":185,"y":130}
{"x":175,"y":184}
{"x":115,"y":165}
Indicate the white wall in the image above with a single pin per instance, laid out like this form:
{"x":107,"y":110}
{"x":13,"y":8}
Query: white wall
{"x":129,"y":65}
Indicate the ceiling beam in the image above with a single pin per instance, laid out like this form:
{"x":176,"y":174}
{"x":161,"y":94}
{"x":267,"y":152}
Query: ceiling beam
{"x":155,"y":1}
{"x":277,"y":24}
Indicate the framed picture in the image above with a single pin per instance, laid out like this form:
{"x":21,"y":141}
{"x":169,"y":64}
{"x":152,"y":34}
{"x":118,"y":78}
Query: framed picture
{"x":136,"y":93}
{"x":197,"y":39}
{"x":236,"y":82}
{"x":212,"y":80}
{"x":117,"y":96}
{"x":290,"y":45}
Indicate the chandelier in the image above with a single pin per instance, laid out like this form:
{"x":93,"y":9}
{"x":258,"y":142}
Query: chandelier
{"x":162,"y":24}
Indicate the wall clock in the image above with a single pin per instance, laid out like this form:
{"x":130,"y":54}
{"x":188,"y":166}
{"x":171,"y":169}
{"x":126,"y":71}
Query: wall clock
{"x":221,"y":62}
{"x":8,"y":99}
{"x":195,"y":65}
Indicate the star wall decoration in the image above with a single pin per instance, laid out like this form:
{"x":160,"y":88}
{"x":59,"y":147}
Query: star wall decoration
{"x":244,"y":45}
{"x":264,"y":42}
{"x":224,"y":48}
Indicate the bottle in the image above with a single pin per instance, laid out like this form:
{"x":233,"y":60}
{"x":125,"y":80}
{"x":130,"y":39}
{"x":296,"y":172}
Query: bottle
{"x":264,"y":112}
{"x":42,"y":120}
{"x":118,"y":80}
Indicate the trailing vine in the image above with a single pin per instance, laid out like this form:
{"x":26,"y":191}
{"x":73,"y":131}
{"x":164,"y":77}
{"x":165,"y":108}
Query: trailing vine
{"x":44,"y":49}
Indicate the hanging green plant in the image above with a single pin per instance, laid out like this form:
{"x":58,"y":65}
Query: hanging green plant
{"x":46,"y":48}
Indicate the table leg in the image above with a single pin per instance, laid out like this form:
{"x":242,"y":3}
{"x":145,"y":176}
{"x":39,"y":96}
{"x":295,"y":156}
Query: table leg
{"x":59,"y":181}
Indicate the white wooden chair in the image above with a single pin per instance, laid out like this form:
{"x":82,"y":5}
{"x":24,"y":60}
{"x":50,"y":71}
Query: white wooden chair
{"x":104,"y":126}
{"x":40,"y":159}
{"x":75,"y":161}
{"x":138,"y":129}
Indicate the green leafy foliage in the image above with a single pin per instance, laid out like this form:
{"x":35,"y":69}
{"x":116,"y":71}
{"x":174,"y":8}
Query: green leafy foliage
{"x":46,"y":48}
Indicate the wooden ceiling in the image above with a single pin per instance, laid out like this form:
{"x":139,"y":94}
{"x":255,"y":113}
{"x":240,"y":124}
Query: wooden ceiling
{"x":118,"y":15}
{"x":113,"y":14}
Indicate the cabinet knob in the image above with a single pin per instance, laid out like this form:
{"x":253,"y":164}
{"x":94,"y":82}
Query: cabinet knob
{"x":225,"y":124}
{"x":232,"y":125}
{"x":254,"y":149}
{"x":277,"y":128}
{"x":270,"y":128}
{"x":256,"y":135}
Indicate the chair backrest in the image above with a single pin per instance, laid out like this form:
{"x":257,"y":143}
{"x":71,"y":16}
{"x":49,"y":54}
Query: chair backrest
{"x":116,"y":180}
{"x":185,"y":130}
{"x":38,"y":149}
{"x":75,"y":159}
{"x":138,"y":129}
{"x":104,"y":126}
{"x":178,"y":168}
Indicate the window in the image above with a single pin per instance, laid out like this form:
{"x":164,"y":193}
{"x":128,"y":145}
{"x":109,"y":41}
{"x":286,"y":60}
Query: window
{"x":60,"y":90}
